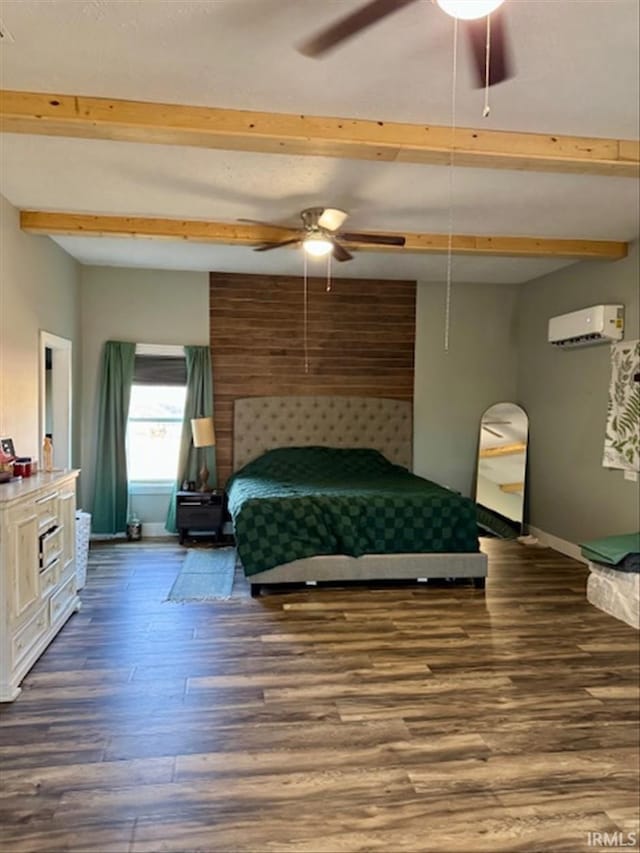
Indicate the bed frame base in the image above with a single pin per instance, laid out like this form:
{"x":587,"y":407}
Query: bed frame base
{"x":373,"y":567}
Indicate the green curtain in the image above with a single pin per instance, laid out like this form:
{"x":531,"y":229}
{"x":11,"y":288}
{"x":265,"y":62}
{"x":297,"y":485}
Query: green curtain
{"x":111,"y":487}
{"x":198,"y":404}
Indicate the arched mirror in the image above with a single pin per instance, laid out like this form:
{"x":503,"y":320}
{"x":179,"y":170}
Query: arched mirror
{"x":502,"y":463}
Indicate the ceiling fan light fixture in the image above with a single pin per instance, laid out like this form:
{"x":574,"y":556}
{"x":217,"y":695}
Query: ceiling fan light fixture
{"x":468,"y":10}
{"x":317,"y":245}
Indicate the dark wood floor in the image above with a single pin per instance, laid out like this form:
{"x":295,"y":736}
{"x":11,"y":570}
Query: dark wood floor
{"x":399,"y":718}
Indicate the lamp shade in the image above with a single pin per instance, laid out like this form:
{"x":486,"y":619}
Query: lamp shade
{"x":203,"y":432}
{"x":467,"y":10}
{"x":317,"y":245}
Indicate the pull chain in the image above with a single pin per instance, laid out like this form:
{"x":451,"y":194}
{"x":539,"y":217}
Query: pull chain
{"x":306,"y":315}
{"x":329,"y":273}
{"x":454,"y":80}
{"x":487,"y":66}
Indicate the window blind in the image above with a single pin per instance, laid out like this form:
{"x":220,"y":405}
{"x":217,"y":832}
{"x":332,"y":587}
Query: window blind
{"x":159,"y":370}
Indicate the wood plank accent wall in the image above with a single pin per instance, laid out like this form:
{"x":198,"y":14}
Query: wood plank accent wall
{"x":361,"y":342}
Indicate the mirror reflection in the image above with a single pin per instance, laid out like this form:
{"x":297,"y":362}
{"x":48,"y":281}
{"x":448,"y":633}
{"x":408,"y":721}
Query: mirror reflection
{"x":502,"y":460}
{"x":48,"y":392}
{"x":55,"y":397}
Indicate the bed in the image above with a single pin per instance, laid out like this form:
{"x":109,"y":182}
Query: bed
{"x":322,"y":491}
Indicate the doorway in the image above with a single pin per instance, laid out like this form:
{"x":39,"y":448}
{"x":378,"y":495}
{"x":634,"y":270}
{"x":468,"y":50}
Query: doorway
{"x":55,"y":396}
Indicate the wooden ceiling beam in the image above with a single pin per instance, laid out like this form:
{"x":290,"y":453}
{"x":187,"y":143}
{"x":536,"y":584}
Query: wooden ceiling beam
{"x":240,"y":234}
{"x":503,"y":450}
{"x":360,"y":139}
{"x":512,"y":488}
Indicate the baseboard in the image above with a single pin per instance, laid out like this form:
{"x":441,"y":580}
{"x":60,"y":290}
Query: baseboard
{"x":103,"y":537}
{"x":155,"y":530}
{"x":150,"y":530}
{"x":570,"y":549}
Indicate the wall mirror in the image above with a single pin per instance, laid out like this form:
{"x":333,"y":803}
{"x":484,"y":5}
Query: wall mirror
{"x":55,"y":396}
{"x":502,"y":462}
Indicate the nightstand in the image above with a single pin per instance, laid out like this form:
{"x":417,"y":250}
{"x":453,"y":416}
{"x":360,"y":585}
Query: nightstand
{"x":201,"y":512}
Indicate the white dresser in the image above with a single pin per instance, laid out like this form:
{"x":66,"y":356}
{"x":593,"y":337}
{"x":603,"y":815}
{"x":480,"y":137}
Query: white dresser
{"x":37,"y":570}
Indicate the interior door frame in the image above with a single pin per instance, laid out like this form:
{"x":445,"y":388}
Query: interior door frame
{"x":62,"y":401}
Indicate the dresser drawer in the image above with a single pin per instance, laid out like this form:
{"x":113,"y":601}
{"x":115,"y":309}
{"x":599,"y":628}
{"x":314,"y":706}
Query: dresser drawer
{"x":59,"y":600}
{"x":204,"y":517}
{"x":66,"y":570}
{"x":26,"y":637}
{"x":49,"y":577}
{"x":50,"y":547}
{"x":47,"y":510}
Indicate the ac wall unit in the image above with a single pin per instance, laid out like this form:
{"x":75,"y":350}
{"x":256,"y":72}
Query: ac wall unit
{"x":595,"y":325}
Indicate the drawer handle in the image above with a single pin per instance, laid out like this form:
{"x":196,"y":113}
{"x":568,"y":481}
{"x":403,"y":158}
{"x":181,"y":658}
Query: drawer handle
{"x":46,"y":498}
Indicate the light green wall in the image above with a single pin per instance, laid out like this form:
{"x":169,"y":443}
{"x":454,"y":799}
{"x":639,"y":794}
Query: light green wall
{"x":498,"y":351}
{"x":452,"y":389}
{"x":143,"y":306}
{"x":172,"y":307}
{"x":38,"y":292}
{"x":565,"y":393}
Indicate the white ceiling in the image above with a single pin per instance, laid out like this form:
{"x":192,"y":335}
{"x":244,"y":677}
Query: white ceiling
{"x":577,"y":73}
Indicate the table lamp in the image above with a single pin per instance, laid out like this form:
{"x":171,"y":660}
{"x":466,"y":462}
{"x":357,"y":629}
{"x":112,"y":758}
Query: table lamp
{"x":204,"y":435}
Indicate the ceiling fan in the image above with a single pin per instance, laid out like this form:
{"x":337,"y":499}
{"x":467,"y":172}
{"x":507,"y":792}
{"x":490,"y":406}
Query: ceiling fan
{"x":473,"y":13}
{"x":320,"y":234}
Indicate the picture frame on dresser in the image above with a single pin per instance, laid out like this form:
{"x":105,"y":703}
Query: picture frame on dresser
{"x":7,"y":447}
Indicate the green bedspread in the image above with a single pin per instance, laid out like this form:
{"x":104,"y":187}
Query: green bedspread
{"x":297,"y":502}
{"x":612,"y":549}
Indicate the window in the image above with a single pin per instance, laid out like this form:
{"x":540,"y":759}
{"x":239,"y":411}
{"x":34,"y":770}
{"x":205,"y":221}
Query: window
{"x":156,"y":412}
{"x":153,"y":432}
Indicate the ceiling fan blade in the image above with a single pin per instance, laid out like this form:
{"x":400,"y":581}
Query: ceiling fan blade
{"x":379,"y":239}
{"x":332,"y":218}
{"x":350,"y":25}
{"x":267,"y":246}
{"x":340,"y":253}
{"x":267,"y":224}
{"x":500,"y":64}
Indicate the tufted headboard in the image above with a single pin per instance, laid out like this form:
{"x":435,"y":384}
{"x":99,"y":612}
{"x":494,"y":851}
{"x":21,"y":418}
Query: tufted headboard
{"x":263,"y":423}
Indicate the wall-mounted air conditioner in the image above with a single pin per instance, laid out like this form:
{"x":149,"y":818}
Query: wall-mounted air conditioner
{"x":595,"y":325}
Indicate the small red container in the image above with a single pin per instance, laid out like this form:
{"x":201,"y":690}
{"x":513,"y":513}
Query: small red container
{"x":22,"y":467}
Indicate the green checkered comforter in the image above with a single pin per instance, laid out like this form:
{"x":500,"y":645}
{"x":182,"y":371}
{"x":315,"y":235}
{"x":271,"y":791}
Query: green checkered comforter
{"x":298,"y":502}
